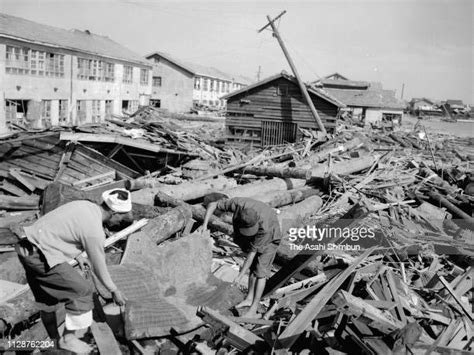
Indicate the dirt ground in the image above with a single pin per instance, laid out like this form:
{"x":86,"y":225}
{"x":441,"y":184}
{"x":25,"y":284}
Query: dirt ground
{"x":435,"y":125}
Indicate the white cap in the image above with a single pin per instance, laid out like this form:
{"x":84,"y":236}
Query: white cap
{"x":118,"y":200}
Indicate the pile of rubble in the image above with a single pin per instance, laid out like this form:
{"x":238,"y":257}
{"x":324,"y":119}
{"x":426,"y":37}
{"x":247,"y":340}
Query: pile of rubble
{"x":406,"y":287}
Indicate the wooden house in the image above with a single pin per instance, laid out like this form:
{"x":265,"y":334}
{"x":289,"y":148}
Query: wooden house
{"x":271,"y":111}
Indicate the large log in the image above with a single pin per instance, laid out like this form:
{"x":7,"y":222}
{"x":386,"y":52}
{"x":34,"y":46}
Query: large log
{"x":199,"y":212}
{"x":280,"y":172}
{"x":345,"y":167}
{"x":265,"y":186}
{"x":164,"y":226}
{"x":283,"y":198}
{"x":19,"y":203}
{"x":186,"y":191}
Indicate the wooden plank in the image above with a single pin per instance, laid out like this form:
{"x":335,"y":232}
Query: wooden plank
{"x":393,"y":289}
{"x":302,"y":320}
{"x":456,"y":298}
{"x":104,"y":338}
{"x":15,"y":174}
{"x":7,"y":186}
{"x":93,"y":178}
{"x":124,"y":170}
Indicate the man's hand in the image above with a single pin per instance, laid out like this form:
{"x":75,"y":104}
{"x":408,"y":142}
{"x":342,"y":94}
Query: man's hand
{"x":201,"y":229}
{"x":119,"y":298}
{"x":84,"y":263}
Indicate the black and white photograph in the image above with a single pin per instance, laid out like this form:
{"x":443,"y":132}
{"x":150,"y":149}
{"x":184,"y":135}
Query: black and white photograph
{"x":236,"y":177}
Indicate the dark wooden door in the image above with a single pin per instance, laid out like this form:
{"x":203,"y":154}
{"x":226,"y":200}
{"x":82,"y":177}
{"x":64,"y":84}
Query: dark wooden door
{"x":277,"y":132}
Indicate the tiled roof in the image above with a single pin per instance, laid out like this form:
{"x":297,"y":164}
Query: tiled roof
{"x":82,"y":41}
{"x":374,"y":98}
{"x":201,"y":70}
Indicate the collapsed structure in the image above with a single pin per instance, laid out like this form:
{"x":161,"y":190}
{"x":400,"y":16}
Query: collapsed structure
{"x":407,"y":287}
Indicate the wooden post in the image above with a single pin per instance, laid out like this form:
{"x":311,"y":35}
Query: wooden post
{"x":280,"y":172}
{"x":302,"y":86}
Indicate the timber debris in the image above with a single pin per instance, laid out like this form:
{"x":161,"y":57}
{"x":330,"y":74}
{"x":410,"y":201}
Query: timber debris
{"x":407,"y":289}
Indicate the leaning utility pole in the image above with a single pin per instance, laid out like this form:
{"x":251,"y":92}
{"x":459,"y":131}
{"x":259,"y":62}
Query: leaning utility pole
{"x":302,"y":86}
{"x":259,"y":72}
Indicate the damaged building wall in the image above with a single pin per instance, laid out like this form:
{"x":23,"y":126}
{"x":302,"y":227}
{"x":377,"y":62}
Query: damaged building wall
{"x":172,"y":86}
{"x":50,"y":76}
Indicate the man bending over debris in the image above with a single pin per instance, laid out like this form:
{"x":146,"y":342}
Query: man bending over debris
{"x":257,"y":232}
{"x":47,"y":246}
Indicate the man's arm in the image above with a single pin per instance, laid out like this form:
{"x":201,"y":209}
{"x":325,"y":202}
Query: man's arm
{"x":95,"y":252}
{"x":211,"y":208}
{"x":246,"y":266}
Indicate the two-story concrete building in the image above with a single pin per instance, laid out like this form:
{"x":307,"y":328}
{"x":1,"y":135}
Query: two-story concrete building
{"x":53,"y":76}
{"x":178,"y":86}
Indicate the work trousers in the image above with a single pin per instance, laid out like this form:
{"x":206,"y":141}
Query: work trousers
{"x":59,"y":284}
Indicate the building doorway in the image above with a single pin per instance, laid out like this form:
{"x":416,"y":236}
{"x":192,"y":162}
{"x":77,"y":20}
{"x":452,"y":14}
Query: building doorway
{"x":16,"y":111}
{"x":155,"y":103}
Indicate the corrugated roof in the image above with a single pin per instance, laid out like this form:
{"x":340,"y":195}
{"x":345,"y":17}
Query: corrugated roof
{"x":283,"y":74}
{"x":201,"y":70}
{"x":83,"y":41}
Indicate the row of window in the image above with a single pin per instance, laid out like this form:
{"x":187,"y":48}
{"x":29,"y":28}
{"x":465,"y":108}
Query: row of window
{"x":211,"y":102}
{"x":26,"y":61}
{"x":215,"y":85}
{"x":21,"y":60}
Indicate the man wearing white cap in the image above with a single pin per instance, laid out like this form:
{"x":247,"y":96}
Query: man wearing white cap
{"x":59,"y":236}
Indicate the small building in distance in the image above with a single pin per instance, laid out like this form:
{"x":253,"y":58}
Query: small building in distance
{"x":367,"y":101}
{"x":271,"y":111}
{"x":52,"y":76}
{"x":180,"y":86}
{"x":424,"y":107}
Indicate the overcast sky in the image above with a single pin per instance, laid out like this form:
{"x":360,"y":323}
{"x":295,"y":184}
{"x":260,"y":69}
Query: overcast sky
{"x":428,"y":45}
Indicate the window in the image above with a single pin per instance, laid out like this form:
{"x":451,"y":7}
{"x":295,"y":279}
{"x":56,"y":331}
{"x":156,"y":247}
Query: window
{"x":127,"y":74}
{"x":197,"y":83}
{"x":95,"y":111}
{"x":93,"y":69}
{"x":109,"y":72}
{"x":54,"y":65}
{"x":81,"y":111}
{"x":282,"y":90}
{"x":205,"y":85}
{"x":157,"y":81}
{"x":34,"y":62}
{"x":63,"y":111}
{"x":46,"y":111}
{"x":130,"y":105}
{"x":109,"y":106}
{"x":143,"y":76}
{"x":17,"y":60}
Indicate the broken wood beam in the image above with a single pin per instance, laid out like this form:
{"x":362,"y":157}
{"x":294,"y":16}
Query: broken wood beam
{"x":238,"y":336}
{"x":345,"y":167}
{"x":19,"y":202}
{"x":468,"y":221}
{"x":199,"y":212}
{"x":280,"y":172}
{"x":297,"y":326}
{"x":356,"y":307}
{"x":457,"y":298}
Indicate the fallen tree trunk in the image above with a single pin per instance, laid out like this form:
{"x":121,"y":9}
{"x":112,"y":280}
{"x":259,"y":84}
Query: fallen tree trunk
{"x":283,"y":198}
{"x":164,"y":226}
{"x":186,"y":191}
{"x":345,"y":167}
{"x":19,"y":203}
{"x":198,"y":212}
{"x":265,"y":186}
{"x":293,"y":216}
{"x":280,"y":172}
